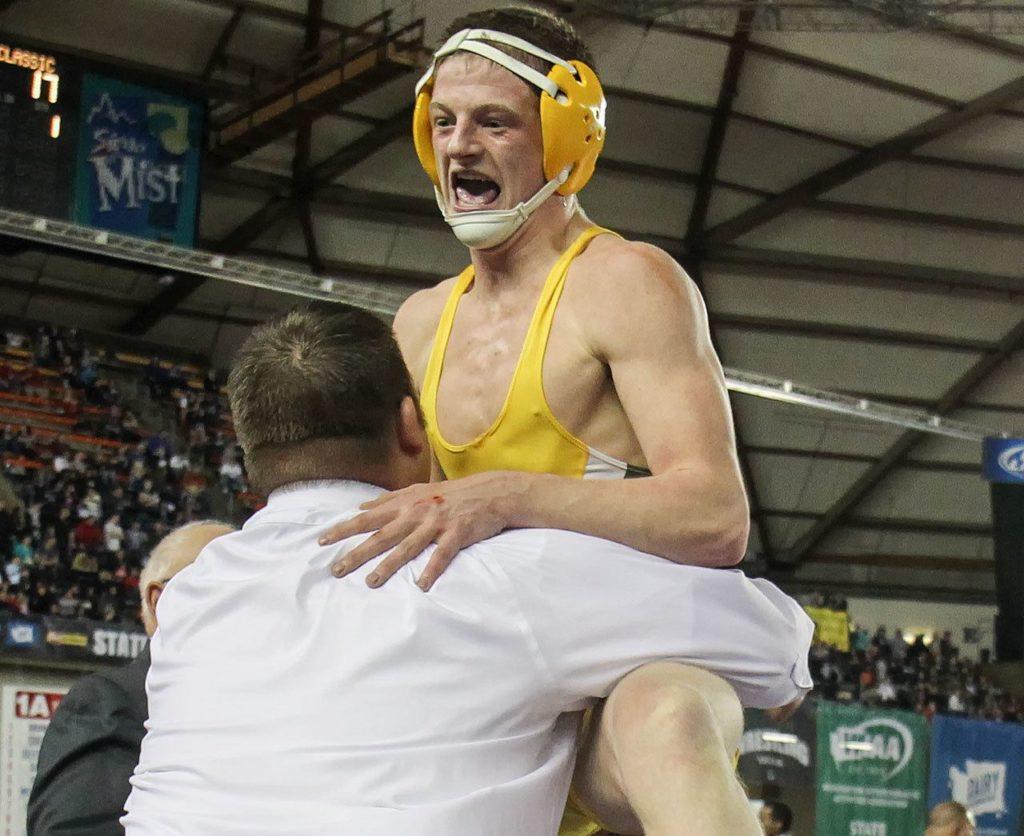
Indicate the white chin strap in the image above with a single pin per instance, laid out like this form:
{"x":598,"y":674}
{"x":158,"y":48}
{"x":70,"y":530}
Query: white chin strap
{"x":486,"y":228}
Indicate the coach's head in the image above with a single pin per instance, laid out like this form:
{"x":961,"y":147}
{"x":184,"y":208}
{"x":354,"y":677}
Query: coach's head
{"x":323,"y":393}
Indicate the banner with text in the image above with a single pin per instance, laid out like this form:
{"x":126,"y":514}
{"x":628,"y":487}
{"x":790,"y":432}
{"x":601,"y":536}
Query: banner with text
{"x":778,"y":753}
{"x":138,"y":161}
{"x":872,"y":771}
{"x":981,"y":765}
{"x":24,"y":715}
{"x":831,"y":627}
{"x":53,"y":639}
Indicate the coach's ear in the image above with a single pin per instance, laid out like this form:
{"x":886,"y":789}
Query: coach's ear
{"x":412,"y":436}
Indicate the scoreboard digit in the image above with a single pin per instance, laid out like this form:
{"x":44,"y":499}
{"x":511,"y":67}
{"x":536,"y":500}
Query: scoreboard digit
{"x":39,"y":101}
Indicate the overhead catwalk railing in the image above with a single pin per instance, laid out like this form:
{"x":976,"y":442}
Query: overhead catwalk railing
{"x":786,"y":391}
{"x":182,"y":260}
{"x":994,"y":18}
{"x":336,"y":73}
{"x":381,"y":300}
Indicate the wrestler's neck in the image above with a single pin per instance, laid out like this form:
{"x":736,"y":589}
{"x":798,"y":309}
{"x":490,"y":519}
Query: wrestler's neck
{"x":522,"y":263}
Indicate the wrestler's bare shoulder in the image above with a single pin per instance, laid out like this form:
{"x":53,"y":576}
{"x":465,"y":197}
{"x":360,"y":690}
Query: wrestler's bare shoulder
{"x":416,"y":323}
{"x":417,"y":318}
{"x":622,"y":281}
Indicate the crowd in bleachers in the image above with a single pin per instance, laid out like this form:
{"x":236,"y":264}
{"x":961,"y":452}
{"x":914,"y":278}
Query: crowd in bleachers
{"x":926,"y":674}
{"x":86,"y":489}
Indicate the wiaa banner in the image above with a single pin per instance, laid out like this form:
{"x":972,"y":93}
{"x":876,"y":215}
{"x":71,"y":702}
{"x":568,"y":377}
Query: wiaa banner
{"x":981,"y":765}
{"x":53,"y":639}
{"x":872,"y":771}
{"x":778,"y":753}
{"x":138,"y":161}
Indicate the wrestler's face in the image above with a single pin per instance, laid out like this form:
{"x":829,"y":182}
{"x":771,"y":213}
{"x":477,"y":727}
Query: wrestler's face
{"x":486,"y":133}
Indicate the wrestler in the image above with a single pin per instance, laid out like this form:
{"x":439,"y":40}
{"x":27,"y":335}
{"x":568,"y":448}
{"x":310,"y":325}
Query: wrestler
{"x":563,"y":361}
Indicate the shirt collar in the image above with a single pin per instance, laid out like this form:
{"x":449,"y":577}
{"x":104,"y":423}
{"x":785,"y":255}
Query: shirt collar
{"x":336,"y":494}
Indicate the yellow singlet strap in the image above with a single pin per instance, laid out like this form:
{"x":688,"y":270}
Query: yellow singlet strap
{"x":532,"y":361}
{"x":432,"y":377}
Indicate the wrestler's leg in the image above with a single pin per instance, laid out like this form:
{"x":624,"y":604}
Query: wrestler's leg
{"x":658,"y":758}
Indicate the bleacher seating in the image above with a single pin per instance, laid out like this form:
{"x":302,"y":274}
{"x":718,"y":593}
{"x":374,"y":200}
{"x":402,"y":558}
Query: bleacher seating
{"x":77,"y":461}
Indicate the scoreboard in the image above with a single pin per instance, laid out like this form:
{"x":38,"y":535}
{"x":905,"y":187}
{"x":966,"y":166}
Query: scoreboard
{"x":81,"y":142}
{"x":38,"y":115}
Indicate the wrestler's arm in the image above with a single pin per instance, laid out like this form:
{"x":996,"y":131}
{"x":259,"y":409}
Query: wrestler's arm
{"x":649,"y":326}
{"x":647,"y":323}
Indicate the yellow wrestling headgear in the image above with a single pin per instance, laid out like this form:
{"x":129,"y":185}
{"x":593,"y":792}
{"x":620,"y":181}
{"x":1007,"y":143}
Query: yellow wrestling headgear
{"x":572,"y":111}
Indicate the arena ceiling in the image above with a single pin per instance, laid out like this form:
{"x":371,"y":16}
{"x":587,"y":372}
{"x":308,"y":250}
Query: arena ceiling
{"x":851,"y":204}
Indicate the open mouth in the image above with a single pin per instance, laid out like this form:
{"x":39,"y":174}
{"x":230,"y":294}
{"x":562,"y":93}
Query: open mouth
{"x":473,"y":191}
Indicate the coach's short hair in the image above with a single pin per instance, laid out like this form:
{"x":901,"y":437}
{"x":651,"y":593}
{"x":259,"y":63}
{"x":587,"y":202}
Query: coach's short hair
{"x":320,"y":372}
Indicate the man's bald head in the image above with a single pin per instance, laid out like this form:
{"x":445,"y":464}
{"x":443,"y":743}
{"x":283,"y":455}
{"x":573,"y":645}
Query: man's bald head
{"x":172,"y":554}
{"x":950,"y":818}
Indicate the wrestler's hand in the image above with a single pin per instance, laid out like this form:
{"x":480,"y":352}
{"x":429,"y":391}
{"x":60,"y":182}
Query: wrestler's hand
{"x":453,"y":515}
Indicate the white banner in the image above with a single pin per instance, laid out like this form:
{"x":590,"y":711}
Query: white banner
{"x":25,"y":713}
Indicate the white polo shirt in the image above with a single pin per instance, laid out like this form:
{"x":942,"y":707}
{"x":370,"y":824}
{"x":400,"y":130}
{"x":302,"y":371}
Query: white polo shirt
{"x":285,"y":701}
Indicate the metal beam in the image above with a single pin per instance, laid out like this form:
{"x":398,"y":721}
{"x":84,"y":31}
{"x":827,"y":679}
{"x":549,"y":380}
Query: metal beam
{"x":948,"y":30}
{"x":957,"y":594}
{"x":414,"y":279}
{"x":274,"y":210}
{"x":313,"y":259}
{"x":868,"y":271}
{"x":695,"y":227}
{"x":727,"y":91}
{"x":953,"y":397}
{"x":857,"y":333}
{"x":385,"y":207}
{"x":686,"y":106}
{"x":304,"y":139}
{"x":217,"y":53}
{"x":843,"y":172}
{"x":276,"y":13}
{"x":929,"y":403}
{"x":861,"y":458}
{"x":396,"y":125}
{"x":902,"y":524}
{"x":911,"y":216}
{"x":917,"y":562}
{"x":819,"y":65}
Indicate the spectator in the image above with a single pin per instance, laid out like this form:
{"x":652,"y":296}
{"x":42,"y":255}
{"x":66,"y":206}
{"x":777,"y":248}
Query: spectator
{"x":91,"y":745}
{"x":24,"y":551}
{"x":87,"y":534}
{"x":950,"y":818}
{"x":776,"y":818}
{"x":12,"y":571}
{"x":113,"y":534}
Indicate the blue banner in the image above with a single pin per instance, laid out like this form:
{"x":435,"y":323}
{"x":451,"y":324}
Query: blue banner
{"x":981,"y":765}
{"x":1004,"y":460}
{"x":138,"y":161}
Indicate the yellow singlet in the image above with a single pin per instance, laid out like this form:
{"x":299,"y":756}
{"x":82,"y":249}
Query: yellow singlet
{"x":525,"y":435}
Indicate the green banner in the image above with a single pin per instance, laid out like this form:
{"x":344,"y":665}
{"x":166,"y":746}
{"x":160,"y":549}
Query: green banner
{"x":872,"y":771}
